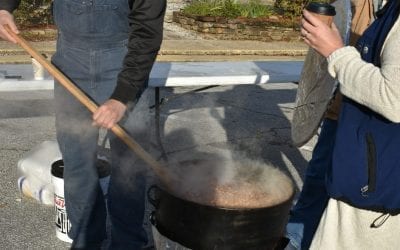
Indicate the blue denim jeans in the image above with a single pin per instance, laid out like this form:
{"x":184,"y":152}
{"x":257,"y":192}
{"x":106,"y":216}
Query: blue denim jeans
{"x":94,"y":70}
{"x":126,"y":197}
{"x":305,"y":215}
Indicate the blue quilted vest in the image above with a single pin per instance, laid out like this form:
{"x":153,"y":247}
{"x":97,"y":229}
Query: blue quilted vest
{"x":365,"y":171}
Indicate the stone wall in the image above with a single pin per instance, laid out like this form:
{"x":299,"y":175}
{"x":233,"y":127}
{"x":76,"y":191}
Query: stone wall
{"x":261,"y":29}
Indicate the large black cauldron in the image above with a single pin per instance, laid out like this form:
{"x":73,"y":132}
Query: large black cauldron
{"x":202,"y":227}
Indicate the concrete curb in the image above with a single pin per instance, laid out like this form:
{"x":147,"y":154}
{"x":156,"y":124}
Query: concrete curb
{"x":168,"y":55}
{"x":230,"y":52}
{"x":183,"y":50}
{"x":233,"y":52}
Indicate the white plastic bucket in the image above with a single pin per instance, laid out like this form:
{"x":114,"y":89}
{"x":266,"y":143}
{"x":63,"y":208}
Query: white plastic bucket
{"x":62,"y":223}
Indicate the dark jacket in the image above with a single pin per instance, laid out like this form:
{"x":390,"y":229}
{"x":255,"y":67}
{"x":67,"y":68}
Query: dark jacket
{"x":146,"y":22}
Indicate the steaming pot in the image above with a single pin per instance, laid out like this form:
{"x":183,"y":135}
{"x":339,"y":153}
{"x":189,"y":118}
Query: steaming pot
{"x":202,"y":227}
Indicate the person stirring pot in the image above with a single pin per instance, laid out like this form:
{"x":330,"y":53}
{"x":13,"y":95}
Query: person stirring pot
{"x":107,"y":48}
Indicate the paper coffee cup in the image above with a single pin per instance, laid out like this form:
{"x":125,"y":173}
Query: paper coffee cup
{"x":323,"y":11}
{"x":38,"y":70}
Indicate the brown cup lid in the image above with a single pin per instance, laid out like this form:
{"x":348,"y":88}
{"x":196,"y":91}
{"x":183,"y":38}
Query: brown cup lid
{"x":321,"y":8}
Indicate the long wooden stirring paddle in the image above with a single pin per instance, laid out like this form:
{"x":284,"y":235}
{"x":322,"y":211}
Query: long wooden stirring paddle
{"x":159,"y":169}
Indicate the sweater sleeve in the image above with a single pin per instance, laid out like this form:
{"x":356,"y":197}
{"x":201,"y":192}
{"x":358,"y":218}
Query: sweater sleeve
{"x":146,"y":21}
{"x":377,"y":88}
{"x":9,"y":5}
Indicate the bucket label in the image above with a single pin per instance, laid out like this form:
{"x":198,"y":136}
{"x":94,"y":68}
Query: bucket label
{"x":63,"y":225}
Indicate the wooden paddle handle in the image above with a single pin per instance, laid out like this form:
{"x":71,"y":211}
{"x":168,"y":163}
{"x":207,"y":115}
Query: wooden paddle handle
{"x":87,"y":102}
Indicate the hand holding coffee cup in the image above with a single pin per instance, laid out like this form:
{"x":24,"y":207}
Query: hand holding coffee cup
{"x":318,"y":29}
{"x":323,"y":11}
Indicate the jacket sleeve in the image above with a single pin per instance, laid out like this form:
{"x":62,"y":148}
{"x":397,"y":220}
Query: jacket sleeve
{"x":146,"y":22}
{"x":377,"y":88}
{"x":9,"y":5}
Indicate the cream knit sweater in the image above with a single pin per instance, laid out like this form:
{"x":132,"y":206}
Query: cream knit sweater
{"x":376,"y":88}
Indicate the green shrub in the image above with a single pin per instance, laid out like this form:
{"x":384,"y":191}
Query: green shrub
{"x":254,"y":9}
{"x":34,"y":13}
{"x":228,"y":8}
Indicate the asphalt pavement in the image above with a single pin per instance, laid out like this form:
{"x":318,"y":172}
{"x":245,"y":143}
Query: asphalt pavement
{"x":252,"y":119}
